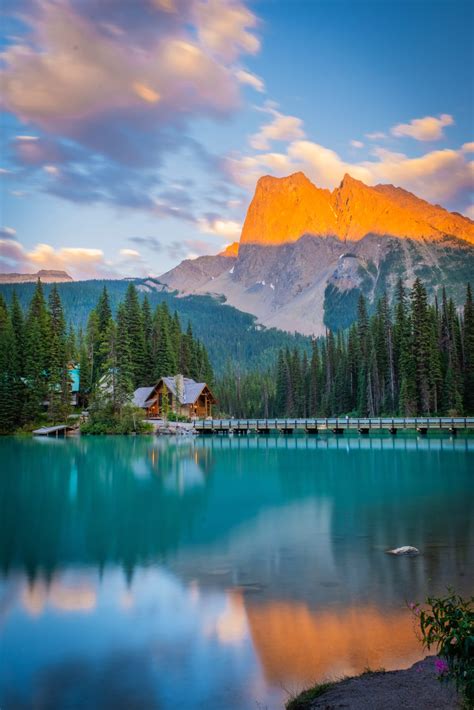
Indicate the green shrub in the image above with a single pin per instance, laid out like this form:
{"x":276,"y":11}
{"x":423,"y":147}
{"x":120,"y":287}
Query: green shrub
{"x":173,"y":417}
{"x":447,"y":624}
{"x":104,"y":420}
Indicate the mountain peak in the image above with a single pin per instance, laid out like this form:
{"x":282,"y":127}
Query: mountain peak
{"x":284,"y":209}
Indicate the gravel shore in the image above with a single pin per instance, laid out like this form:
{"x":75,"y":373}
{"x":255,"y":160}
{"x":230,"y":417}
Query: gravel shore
{"x":416,"y":688}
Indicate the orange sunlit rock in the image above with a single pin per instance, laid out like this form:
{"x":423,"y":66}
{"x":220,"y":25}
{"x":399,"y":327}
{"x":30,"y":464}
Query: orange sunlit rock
{"x":297,"y":644}
{"x":230,"y":250}
{"x":283,"y":209}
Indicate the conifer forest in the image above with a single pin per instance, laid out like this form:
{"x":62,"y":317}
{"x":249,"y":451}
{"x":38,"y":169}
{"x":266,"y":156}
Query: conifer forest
{"x":409,"y":357}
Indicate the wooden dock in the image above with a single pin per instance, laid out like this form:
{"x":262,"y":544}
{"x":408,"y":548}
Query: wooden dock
{"x":335,"y":425}
{"x":56,"y":431}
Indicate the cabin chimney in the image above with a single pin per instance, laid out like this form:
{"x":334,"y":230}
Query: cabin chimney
{"x":179,"y":384}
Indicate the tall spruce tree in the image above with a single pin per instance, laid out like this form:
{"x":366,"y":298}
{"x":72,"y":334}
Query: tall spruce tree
{"x":37,"y":355}
{"x":468,"y":352}
{"x":59,"y":384}
{"x":8,"y":374}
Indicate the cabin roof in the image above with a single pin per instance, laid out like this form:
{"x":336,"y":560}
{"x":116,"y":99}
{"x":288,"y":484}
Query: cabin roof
{"x":191,"y":389}
{"x":141,"y":395}
{"x":145,"y":396}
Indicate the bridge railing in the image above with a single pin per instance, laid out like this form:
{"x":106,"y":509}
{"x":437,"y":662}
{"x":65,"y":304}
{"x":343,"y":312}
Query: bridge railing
{"x":256,"y":424}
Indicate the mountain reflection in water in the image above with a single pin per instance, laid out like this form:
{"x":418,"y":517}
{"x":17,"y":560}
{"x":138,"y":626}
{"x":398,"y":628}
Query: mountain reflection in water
{"x":213,"y":573}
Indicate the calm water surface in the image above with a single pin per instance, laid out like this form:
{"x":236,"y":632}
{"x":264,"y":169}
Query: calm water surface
{"x":219,"y":573}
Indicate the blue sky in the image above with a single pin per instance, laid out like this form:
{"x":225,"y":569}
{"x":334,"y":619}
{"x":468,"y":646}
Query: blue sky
{"x":133,"y":132}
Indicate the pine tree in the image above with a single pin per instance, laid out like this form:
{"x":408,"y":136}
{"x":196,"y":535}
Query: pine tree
{"x":468,"y":352}
{"x":164,"y":356}
{"x":124,"y":364}
{"x":37,"y":355}
{"x":363,"y":354}
{"x":421,"y":345}
{"x":281,"y":385}
{"x":8,"y":413}
{"x":148,"y":365}
{"x":314,"y":381}
{"x":59,"y":385}
{"x":133,"y":323}
{"x":405,"y":364}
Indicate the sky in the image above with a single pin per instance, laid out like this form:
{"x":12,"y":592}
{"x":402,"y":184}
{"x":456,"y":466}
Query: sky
{"x":133,"y":131}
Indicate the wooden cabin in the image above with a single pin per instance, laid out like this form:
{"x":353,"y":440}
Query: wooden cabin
{"x":177,"y":394}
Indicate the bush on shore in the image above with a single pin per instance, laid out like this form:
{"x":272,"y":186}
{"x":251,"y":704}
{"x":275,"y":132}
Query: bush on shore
{"x":447,"y":624}
{"x":106,"y":420}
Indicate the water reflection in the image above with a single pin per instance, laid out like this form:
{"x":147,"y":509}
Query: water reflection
{"x":210,"y":573}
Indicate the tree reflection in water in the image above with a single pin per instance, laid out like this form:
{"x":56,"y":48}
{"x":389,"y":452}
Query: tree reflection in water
{"x":142,"y":568}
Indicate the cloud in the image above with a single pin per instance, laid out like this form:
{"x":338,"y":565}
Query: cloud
{"x":7,"y":233}
{"x":227,"y":228}
{"x":357,"y":144}
{"x":152,"y":243}
{"x":112,"y":89}
{"x":246,"y":77}
{"x":225,"y":28}
{"x":443,"y":176}
{"x":189,"y":249}
{"x":79,"y":262}
{"x":428,"y":128}
{"x":375,"y":136}
{"x":280,"y":128}
{"x":468,"y":147}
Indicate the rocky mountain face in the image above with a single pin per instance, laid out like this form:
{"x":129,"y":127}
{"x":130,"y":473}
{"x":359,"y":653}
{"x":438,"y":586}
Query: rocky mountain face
{"x":305,"y":254}
{"x":45,"y":275}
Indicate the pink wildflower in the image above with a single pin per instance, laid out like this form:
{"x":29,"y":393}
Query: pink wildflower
{"x":441,"y":666}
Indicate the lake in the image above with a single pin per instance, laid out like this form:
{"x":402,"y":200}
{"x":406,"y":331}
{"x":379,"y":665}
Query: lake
{"x":220,"y":573}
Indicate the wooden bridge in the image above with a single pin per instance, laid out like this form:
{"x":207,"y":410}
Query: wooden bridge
{"x":336,"y":425}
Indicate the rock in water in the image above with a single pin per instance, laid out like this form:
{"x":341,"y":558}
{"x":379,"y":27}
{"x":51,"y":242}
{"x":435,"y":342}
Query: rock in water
{"x":405,"y":550}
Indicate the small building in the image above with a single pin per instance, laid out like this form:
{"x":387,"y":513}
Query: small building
{"x":177,"y":394}
{"x":75,"y":380}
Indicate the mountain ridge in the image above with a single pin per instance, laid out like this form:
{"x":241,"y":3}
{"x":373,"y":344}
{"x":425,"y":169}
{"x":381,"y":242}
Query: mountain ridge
{"x":306,"y":253}
{"x":283,"y":209}
{"x":45,"y":275}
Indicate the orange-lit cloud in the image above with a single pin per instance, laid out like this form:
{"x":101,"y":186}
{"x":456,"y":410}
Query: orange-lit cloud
{"x":428,"y":128}
{"x":438,"y":176}
{"x":226,"y":228}
{"x":79,"y":68}
{"x":246,"y":77}
{"x":280,"y":128}
{"x":146,"y":92}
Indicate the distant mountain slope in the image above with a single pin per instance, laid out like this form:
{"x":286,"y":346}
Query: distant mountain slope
{"x":306,"y":254}
{"x":227,"y":333}
{"x":45,"y":275}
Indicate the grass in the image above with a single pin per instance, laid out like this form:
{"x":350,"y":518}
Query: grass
{"x":303,"y":699}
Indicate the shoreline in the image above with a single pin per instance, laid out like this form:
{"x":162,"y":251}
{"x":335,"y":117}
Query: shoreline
{"x":414,"y":688}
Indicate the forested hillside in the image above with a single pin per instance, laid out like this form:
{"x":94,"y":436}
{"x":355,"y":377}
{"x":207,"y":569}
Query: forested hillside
{"x":228,"y":334}
{"x":410,"y":358}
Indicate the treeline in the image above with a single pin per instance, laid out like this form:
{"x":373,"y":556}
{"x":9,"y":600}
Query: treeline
{"x":115,"y":355}
{"x":413,"y":358}
{"x":224,"y":330}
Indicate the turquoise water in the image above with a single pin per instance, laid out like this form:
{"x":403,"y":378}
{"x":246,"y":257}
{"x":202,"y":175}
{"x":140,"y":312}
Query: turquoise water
{"x":219,"y":573}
